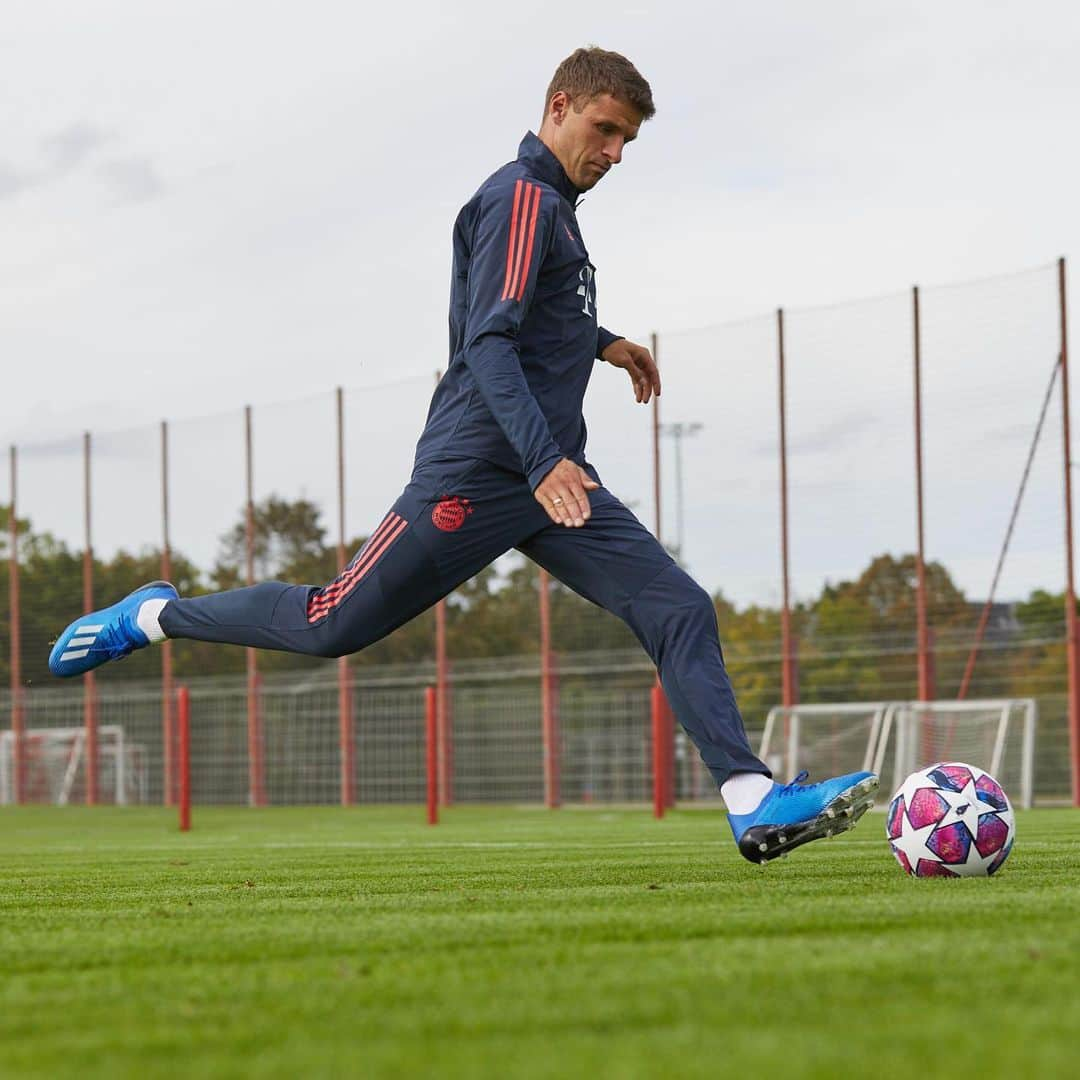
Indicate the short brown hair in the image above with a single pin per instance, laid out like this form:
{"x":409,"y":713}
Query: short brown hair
{"x":587,"y":73}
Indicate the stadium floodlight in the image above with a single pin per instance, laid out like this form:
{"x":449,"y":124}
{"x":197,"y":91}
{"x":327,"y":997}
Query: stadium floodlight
{"x":679,"y":431}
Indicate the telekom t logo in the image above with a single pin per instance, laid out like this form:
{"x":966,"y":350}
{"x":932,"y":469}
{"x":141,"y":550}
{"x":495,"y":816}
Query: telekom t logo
{"x":587,"y":290}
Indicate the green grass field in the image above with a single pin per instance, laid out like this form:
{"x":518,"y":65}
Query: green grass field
{"x":513,"y":942}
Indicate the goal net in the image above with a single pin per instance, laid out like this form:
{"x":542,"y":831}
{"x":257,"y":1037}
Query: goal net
{"x":895,"y":738}
{"x":55,"y":761}
{"x":998,"y":735}
{"x":826,"y":740}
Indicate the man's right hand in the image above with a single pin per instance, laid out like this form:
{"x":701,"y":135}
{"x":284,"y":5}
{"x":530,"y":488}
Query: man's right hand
{"x":563,"y":493}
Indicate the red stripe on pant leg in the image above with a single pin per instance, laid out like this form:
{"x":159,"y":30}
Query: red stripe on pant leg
{"x":510,"y":243}
{"x":528,"y":250}
{"x":325,"y":606}
{"x":368,"y":552}
{"x":390,"y":517}
{"x":350,"y":571}
{"x":520,"y":239}
{"x":354,"y":568}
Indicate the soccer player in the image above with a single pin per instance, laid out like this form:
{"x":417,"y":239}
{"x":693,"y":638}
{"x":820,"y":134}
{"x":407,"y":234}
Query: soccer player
{"x":501,"y":464}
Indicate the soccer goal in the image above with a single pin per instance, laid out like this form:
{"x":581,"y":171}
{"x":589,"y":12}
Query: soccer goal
{"x":826,"y":740}
{"x":997,"y":734}
{"x":54,"y":765}
{"x":894,"y":738}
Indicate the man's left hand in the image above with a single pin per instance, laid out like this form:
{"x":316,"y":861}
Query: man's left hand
{"x":639,"y":365}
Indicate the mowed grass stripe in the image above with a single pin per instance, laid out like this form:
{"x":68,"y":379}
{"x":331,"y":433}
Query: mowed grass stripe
{"x":321,"y":941}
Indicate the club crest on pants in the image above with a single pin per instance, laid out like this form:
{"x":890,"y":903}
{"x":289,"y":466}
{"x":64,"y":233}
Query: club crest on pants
{"x":450,"y":512}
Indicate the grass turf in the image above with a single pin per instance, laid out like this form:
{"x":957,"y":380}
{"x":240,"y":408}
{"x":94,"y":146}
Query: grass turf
{"x":510,"y":942}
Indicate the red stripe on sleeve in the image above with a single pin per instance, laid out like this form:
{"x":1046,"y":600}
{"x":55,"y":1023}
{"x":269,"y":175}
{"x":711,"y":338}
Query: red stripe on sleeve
{"x":510,"y":243}
{"x":528,"y":251}
{"x":520,"y":239}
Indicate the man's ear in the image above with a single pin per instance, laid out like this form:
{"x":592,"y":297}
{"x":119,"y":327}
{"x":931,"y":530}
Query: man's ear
{"x":558,"y":106}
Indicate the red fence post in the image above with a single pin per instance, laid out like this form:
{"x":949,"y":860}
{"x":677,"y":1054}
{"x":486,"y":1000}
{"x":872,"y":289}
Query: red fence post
{"x":15,"y":645}
{"x":1072,"y":646}
{"x":89,"y":695}
{"x":432,"y":756}
{"x":656,"y":700}
{"x":443,"y":711}
{"x":184,"y":723}
{"x":926,"y":690}
{"x":168,"y":727}
{"x":788,"y":685}
{"x":669,"y":751}
{"x":444,"y":736}
{"x":256,"y":790}
{"x":549,"y":724}
{"x":346,"y":742}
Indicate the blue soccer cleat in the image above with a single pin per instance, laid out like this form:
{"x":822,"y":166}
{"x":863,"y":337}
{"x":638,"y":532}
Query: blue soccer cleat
{"x":796,"y":813}
{"x":109,"y":634}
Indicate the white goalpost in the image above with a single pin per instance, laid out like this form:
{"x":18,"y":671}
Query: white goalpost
{"x":894,"y":738}
{"x":54,"y":764}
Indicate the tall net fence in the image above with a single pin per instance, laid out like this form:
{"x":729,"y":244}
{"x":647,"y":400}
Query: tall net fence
{"x":173,"y":497}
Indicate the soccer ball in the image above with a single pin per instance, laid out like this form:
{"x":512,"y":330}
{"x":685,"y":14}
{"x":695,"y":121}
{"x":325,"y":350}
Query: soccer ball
{"x":950,"y":820}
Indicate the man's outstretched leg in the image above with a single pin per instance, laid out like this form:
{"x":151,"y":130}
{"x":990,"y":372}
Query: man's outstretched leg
{"x":449,"y":523}
{"x":615,"y":562}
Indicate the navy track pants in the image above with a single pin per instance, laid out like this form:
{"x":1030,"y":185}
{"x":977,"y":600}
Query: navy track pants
{"x":452,"y":520}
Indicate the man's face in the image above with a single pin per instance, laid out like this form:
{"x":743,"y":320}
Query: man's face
{"x":589,"y":142}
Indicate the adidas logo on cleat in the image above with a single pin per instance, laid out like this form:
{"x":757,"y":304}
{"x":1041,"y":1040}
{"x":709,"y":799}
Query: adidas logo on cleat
{"x":79,"y":645}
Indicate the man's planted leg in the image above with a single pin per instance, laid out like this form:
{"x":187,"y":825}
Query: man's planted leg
{"x":615,"y":562}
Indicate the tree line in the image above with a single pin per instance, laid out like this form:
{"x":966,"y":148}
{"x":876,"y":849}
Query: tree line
{"x":856,"y":638}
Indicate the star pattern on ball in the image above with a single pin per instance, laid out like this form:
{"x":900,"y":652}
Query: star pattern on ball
{"x":966,"y":808}
{"x":912,"y":842}
{"x":975,"y":865}
{"x":913,"y":783}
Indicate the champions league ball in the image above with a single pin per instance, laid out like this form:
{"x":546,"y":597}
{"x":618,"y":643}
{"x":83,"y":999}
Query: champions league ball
{"x":950,"y":820}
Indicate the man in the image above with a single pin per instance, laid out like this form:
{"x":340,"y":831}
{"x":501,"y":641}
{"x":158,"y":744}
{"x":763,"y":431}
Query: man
{"x":501,"y":464}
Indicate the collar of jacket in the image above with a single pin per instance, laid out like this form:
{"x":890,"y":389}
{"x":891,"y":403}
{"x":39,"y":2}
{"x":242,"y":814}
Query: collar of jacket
{"x":545,"y":166}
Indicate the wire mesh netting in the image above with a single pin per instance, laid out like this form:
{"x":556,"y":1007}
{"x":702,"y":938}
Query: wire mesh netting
{"x":988,"y":352}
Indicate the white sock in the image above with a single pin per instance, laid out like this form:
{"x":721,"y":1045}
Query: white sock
{"x":147,"y":619}
{"x":744,"y":791}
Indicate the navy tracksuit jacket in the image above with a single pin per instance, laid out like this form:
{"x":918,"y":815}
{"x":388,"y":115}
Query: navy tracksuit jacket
{"x":523,"y":340}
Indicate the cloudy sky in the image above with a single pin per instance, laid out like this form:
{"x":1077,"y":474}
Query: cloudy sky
{"x":206,"y":204}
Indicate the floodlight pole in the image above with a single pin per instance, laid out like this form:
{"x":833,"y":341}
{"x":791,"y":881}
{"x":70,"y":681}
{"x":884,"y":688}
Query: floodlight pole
{"x":1072,"y":649}
{"x":678,"y":431}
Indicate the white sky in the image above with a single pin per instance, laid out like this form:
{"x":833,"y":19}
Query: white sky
{"x":206,"y":204}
